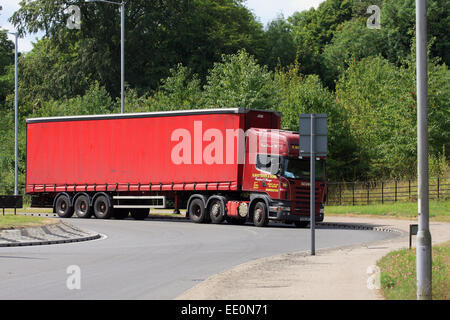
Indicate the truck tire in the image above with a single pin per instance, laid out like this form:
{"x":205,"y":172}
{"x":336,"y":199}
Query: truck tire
{"x":260,"y":218}
{"x":62,"y":206}
{"x":197,"y":212}
{"x":120,"y":214}
{"x":81,"y":207}
{"x":140,"y":214}
{"x":216,"y":211}
{"x":102,"y":209}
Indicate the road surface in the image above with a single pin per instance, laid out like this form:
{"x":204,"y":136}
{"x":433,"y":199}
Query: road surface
{"x":152,"y":259}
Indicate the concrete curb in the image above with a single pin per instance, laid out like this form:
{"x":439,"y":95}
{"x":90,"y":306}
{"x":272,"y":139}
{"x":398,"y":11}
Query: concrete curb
{"x":359,"y":226}
{"x":58,"y":233}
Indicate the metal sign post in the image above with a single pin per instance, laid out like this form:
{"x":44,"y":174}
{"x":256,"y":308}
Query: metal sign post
{"x":423,"y":247}
{"x":313,"y":142}
{"x":312,"y":189}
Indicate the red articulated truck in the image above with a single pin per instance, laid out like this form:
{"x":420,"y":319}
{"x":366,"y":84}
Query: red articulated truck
{"x":220,"y":164}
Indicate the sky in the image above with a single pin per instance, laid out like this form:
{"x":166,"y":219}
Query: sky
{"x":264,"y":10}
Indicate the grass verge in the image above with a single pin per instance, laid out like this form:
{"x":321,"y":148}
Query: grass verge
{"x":439,"y":210}
{"x":398,"y":273}
{"x":10,"y":221}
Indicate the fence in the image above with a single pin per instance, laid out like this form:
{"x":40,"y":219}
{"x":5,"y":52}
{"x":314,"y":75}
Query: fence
{"x":365,"y":193}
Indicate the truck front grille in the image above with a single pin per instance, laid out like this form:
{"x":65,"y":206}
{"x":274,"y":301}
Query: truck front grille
{"x":301,"y":200}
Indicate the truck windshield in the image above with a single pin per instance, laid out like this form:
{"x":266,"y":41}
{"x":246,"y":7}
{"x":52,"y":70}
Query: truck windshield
{"x":295,"y":168}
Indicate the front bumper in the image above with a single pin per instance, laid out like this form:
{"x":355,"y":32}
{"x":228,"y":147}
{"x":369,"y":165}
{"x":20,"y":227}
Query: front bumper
{"x":281,"y":211}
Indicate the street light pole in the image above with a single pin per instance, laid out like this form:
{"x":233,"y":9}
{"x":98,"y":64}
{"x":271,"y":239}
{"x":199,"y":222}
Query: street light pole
{"x":16,"y":111}
{"x":423,"y":247}
{"x":122,"y":50}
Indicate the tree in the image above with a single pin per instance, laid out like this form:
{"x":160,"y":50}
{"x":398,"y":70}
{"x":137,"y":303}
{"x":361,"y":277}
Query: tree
{"x":6,"y":67}
{"x":6,"y":61}
{"x":181,"y":90}
{"x":352,"y":41}
{"x":306,"y":94}
{"x":398,"y":19}
{"x":239,"y":82}
{"x":314,"y":29}
{"x":159,"y":35}
{"x":280,"y":49}
{"x":380,"y":100}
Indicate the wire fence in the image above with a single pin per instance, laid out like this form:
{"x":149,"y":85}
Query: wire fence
{"x":366,"y":193}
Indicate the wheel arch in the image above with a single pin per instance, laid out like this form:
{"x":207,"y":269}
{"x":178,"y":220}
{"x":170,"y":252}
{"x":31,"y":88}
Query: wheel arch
{"x":255,"y":198}
{"x":222,"y":199}
{"x":98,"y":194}
{"x":196,"y":196}
{"x":60,"y":195}
{"x":76,"y":196}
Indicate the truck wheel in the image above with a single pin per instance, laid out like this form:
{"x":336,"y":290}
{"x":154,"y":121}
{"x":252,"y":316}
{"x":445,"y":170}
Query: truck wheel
{"x":102,"y":209}
{"x":260,"y":218}
{"x":62,"y":207}
{"x":301,"y":224}
{"x":197,"y":212}
{"x":216,"y":212}
{"x":140,"y":214}
{"x":120,"y":214}
{"x":81,"y":207}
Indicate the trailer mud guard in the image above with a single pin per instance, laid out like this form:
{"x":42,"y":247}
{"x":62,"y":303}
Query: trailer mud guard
{"x":194,"y":196}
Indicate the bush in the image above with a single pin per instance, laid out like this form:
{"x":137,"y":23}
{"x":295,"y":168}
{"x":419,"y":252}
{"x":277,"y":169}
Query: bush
{"x":239,"y":82}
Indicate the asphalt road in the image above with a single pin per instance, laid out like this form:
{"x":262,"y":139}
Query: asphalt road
{"x":152,"y":259}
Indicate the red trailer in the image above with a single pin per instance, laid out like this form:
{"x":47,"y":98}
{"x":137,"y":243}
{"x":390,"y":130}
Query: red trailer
{"x":234,"y":164}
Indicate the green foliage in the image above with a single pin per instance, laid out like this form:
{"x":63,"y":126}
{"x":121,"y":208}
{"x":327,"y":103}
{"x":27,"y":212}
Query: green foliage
{"x":63,"y":77}
{"x":399,"y":278}
{"x":6,"y":67}
{"x":398,"y":19}
{"x":159,"y":35}
{"x":352,"y":42}
{"x":380,"y":101}
{"x":239,"y":82}
{"x":181,"y":90}
{"x":314,"y":29}
{"x":306,"y":94}
{"x":95,"y":101}
{"x":6,"y":51}
{"x":280,"y":48}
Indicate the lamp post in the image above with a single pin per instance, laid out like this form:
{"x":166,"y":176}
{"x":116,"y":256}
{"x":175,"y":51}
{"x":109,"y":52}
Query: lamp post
{"x":423,"y":247}
{"x":122,"y":50}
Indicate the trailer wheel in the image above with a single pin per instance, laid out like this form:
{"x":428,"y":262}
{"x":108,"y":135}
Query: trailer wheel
{"x":197,"y":212}
{"x":216,"y":212}
{"x":81,"y":207}
{"x":62,"y":207}
{"x":260,"y":218}
{"x":102,"y":209}
{"x":140,"y":214}
{"x":120,"y":214}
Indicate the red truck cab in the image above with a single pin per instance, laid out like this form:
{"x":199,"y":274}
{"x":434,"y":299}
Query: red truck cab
{"x":273,"y":170}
